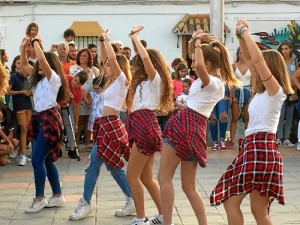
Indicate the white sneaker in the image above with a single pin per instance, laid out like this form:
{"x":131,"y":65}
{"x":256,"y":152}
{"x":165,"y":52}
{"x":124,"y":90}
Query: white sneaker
{"x":83,"y":209}
{"x":36,"y":205}
{"x":298,"y":146}
{"x":13,"y":154}
{"x":287,"y":143}
{"x":28,"y":159}
{"x":136,"y":221}
{"x":159,"y":219}
{"x":23,"y":160}
{"x":56,"y":201}
{"x":127,"y":210}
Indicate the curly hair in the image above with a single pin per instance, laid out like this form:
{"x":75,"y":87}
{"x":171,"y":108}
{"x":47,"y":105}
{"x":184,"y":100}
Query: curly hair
{"x":90,"y":58}
{"x":31,"y":25}
{"x":139,"y":74}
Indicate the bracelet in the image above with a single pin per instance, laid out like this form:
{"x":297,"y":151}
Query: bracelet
{"x":106,"y":39}
{"x":101,"y":39}
{"x":198,"y":46}
{"x":33,"y":40}
{"x":268,"y":78}
{"x":243,"y":31}
{"x":238,"y":36}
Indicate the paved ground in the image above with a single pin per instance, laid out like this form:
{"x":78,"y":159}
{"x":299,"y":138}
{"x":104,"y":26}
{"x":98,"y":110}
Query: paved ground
{"x":17,"y":191}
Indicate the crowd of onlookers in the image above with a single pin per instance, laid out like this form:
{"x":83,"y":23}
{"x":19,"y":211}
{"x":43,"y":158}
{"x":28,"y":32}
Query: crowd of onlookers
{"x":85,"y":105}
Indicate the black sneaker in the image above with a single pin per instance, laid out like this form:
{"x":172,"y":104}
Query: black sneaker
{"x":60,"y":153}
{"x":72,"y":154}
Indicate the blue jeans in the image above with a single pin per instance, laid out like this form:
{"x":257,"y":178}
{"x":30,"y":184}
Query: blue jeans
{"x":286,"y":112}
{"x":92,"y":172}
{"x":43,"y":167}
{"x":221,"y":107}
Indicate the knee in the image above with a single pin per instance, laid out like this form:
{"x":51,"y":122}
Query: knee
{"x":223,"y":117}
{"x":23,"y":128}
{"x":3,"y":160}
{"x":130,"y":178}
{"x":227,"y":206}
{"x":160,"y":179}
{"x":188,"y":189}
{"x":212,"y":119}
{"x":258,"y":213}
{"x":147,"y":181}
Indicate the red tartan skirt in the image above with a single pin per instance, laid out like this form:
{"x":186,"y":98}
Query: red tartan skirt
{"x":186,"y":131}
{"x":111,"y":139}
{"x":257,"y":166}
{"x":143,"y":130}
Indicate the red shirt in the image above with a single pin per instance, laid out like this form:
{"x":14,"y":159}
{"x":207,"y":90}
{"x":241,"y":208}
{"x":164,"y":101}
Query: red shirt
{"x":76,"y":91}
{"x":66,"y":66}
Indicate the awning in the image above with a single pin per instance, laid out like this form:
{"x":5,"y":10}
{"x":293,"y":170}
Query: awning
{"x":87,"y":28}
{"x":192,"y":22}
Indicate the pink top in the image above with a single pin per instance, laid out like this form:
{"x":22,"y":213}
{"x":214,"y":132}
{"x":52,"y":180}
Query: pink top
{"x":177,"y":88}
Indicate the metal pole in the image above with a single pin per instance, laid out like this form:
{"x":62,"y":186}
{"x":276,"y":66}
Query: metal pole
{"x":217,"y":18}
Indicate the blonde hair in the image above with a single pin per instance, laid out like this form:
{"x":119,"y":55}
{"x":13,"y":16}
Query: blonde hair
{"x":277,"y":67}
{"x":166,"y":101}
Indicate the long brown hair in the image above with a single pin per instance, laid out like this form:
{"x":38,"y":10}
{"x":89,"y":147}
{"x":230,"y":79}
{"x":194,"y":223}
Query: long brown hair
{"x":139,"y":75}
{"x":277,"y":67}
{"x":216,"y":53}
{"x":54,"y":64}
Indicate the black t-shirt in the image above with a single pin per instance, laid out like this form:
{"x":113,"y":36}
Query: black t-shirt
{"x":6,"y":131}
{"x":20,"y":102}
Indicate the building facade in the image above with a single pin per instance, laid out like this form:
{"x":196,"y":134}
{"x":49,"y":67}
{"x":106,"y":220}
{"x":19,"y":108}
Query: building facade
{"x":271,"y":21}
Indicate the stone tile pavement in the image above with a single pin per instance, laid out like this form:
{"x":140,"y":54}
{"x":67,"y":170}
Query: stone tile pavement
{"x":17,"y":191}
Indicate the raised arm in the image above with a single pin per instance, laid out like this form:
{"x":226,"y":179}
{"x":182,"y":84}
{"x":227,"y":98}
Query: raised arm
{"x":103,"y":55}
{"x":270,"y":83}
{"x":149,"y":68}
{"x":196,"y":46}
{"x":111,"y":54}
{"x":23,"y":57}
{"x":43,"y":63}
{"x":246,"y":56}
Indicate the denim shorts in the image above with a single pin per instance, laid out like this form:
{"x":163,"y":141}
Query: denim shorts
{"x":191,"y":158}
{"x":247,"y":94}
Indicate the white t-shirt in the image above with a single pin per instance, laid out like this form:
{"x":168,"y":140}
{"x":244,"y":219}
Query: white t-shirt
{"x":115,"y":94}
{"x":203,"y":100}
{"x":264,"y":112}
{"x":147,"y":94}
{"x":45,"y":93}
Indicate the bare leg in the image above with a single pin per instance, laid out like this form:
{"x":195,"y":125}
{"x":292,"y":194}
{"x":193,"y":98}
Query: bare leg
{"x":235,"y":111}
{"x":151,"y":184}
{"x":233,"y":210}
{"x":136,"y":164}
{"x":188,"y":180}
{"x":259,"y":208}
{"x":168,"y":164}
